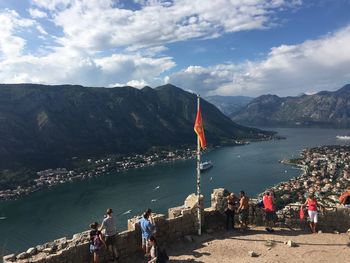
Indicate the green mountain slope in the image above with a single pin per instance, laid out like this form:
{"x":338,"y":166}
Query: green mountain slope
{"x":324,"y":109}
{"x":43,"y":126}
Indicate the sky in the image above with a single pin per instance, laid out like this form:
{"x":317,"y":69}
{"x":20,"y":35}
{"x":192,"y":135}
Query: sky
{"x":221,"y":47}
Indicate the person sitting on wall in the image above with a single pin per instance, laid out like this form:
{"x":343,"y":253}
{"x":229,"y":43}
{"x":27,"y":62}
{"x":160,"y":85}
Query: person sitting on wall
{"x":230,"y":210}
{"x":344,"y":199}
{"x":270,"y":214}
{"x":243,"y":211}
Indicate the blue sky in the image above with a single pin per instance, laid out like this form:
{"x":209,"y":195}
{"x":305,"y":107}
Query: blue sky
{"x":222,"y":47}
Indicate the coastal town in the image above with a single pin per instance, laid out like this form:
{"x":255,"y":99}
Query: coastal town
{"x":95,"y":167}
{"x":325,"y":172}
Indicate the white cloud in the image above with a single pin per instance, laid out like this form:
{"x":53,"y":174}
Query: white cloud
{"x":53,"y":4}
{"x":36,"y":13}
{"x":41,"y":30}
{"x":139,"y":84}
{"x":12,"y":45}
{"x":99,"y":42}
{"x":156,"y":23}
{"x":76,"y":67}
{"x":313,"y":65}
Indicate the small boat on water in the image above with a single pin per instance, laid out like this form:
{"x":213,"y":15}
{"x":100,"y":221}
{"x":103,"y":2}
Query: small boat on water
{"x":343,"y":137}
{"x":203,"y":166}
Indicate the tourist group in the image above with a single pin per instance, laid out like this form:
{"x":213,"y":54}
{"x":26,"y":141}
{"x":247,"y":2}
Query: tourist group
{"x":154,"y":254}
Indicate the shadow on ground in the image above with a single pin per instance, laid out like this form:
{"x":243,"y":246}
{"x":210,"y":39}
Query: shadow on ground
{"x":189,"y":251}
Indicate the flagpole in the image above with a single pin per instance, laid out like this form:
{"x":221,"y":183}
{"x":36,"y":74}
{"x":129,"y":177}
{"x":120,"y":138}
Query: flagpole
{"x":199,"y":210}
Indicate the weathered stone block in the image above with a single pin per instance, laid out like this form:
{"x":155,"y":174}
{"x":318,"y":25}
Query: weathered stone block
{"x":32,"y":251}
{"x":9,"y":258}
{"x":23,"y":255}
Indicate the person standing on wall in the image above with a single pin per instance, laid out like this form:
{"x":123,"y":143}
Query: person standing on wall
{"x":111,"y":234}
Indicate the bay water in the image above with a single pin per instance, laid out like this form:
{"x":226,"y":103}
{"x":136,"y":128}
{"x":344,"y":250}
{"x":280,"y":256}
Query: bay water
{"x":69,"y":208}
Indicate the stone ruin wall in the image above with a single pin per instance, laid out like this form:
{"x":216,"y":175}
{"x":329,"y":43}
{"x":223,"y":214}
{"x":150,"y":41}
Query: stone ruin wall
{"x":180,"y":224}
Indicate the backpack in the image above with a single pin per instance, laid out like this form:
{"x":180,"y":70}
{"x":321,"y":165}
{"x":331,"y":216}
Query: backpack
{"x":97,"y":241}
{"x":162,"y":256}
{"x":260,"y":204}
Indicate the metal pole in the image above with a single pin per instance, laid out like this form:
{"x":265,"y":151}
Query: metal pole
{"x":199,"y":210}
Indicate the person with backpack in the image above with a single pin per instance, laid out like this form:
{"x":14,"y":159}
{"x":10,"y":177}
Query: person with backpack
{"x":111,"y":234}
{"x":96,"y":241}
{"x":157,"y":255}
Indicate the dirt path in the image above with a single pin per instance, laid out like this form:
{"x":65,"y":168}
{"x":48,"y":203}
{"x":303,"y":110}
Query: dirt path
{"x":234,"y":247}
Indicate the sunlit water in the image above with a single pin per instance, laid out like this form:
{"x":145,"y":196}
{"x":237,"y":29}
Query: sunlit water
{"x":69,"y":208}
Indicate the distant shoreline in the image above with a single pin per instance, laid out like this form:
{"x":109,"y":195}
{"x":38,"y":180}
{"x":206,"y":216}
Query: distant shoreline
{"x":95,"y":167}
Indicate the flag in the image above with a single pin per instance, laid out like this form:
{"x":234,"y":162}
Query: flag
{"x":198,"y":128}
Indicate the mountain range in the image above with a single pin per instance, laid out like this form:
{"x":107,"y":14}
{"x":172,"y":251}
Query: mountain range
{"x":229,"y":105}
{"x":42,"y":126}
{"x":324,"y":109}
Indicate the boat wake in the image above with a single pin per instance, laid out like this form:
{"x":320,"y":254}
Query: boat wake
{"x":343,"y":137}
{"x":127,"y":212}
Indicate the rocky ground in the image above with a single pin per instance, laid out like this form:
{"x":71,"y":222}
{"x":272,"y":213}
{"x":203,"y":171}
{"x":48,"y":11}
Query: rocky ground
{"x":236,"y":247}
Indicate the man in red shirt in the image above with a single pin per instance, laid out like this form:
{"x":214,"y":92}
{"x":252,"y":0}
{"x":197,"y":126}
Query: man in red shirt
{"x":345,"y":198}
{"x":270,"y":214}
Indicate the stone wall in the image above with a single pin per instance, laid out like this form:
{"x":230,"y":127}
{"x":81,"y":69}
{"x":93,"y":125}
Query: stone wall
{"x":332,"y":219}
{"x":178,"y":225}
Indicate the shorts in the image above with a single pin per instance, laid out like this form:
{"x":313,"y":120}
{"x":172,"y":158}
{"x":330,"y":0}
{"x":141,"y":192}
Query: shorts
{"x":243,"y":215}
{"x":270,"y":216}
{"x":111,"y":240}
{"x":94,"y":249}
{"x":145,"y":242}
{"x":313,"y":216}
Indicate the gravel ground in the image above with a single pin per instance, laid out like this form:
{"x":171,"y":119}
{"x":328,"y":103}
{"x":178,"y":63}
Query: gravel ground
{"x":233,"y":246}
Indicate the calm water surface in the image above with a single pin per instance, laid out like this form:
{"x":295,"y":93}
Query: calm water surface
{"x":67,"y":209}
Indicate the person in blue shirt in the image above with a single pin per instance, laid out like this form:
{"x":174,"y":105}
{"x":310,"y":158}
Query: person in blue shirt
{"x":147,"y":228}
